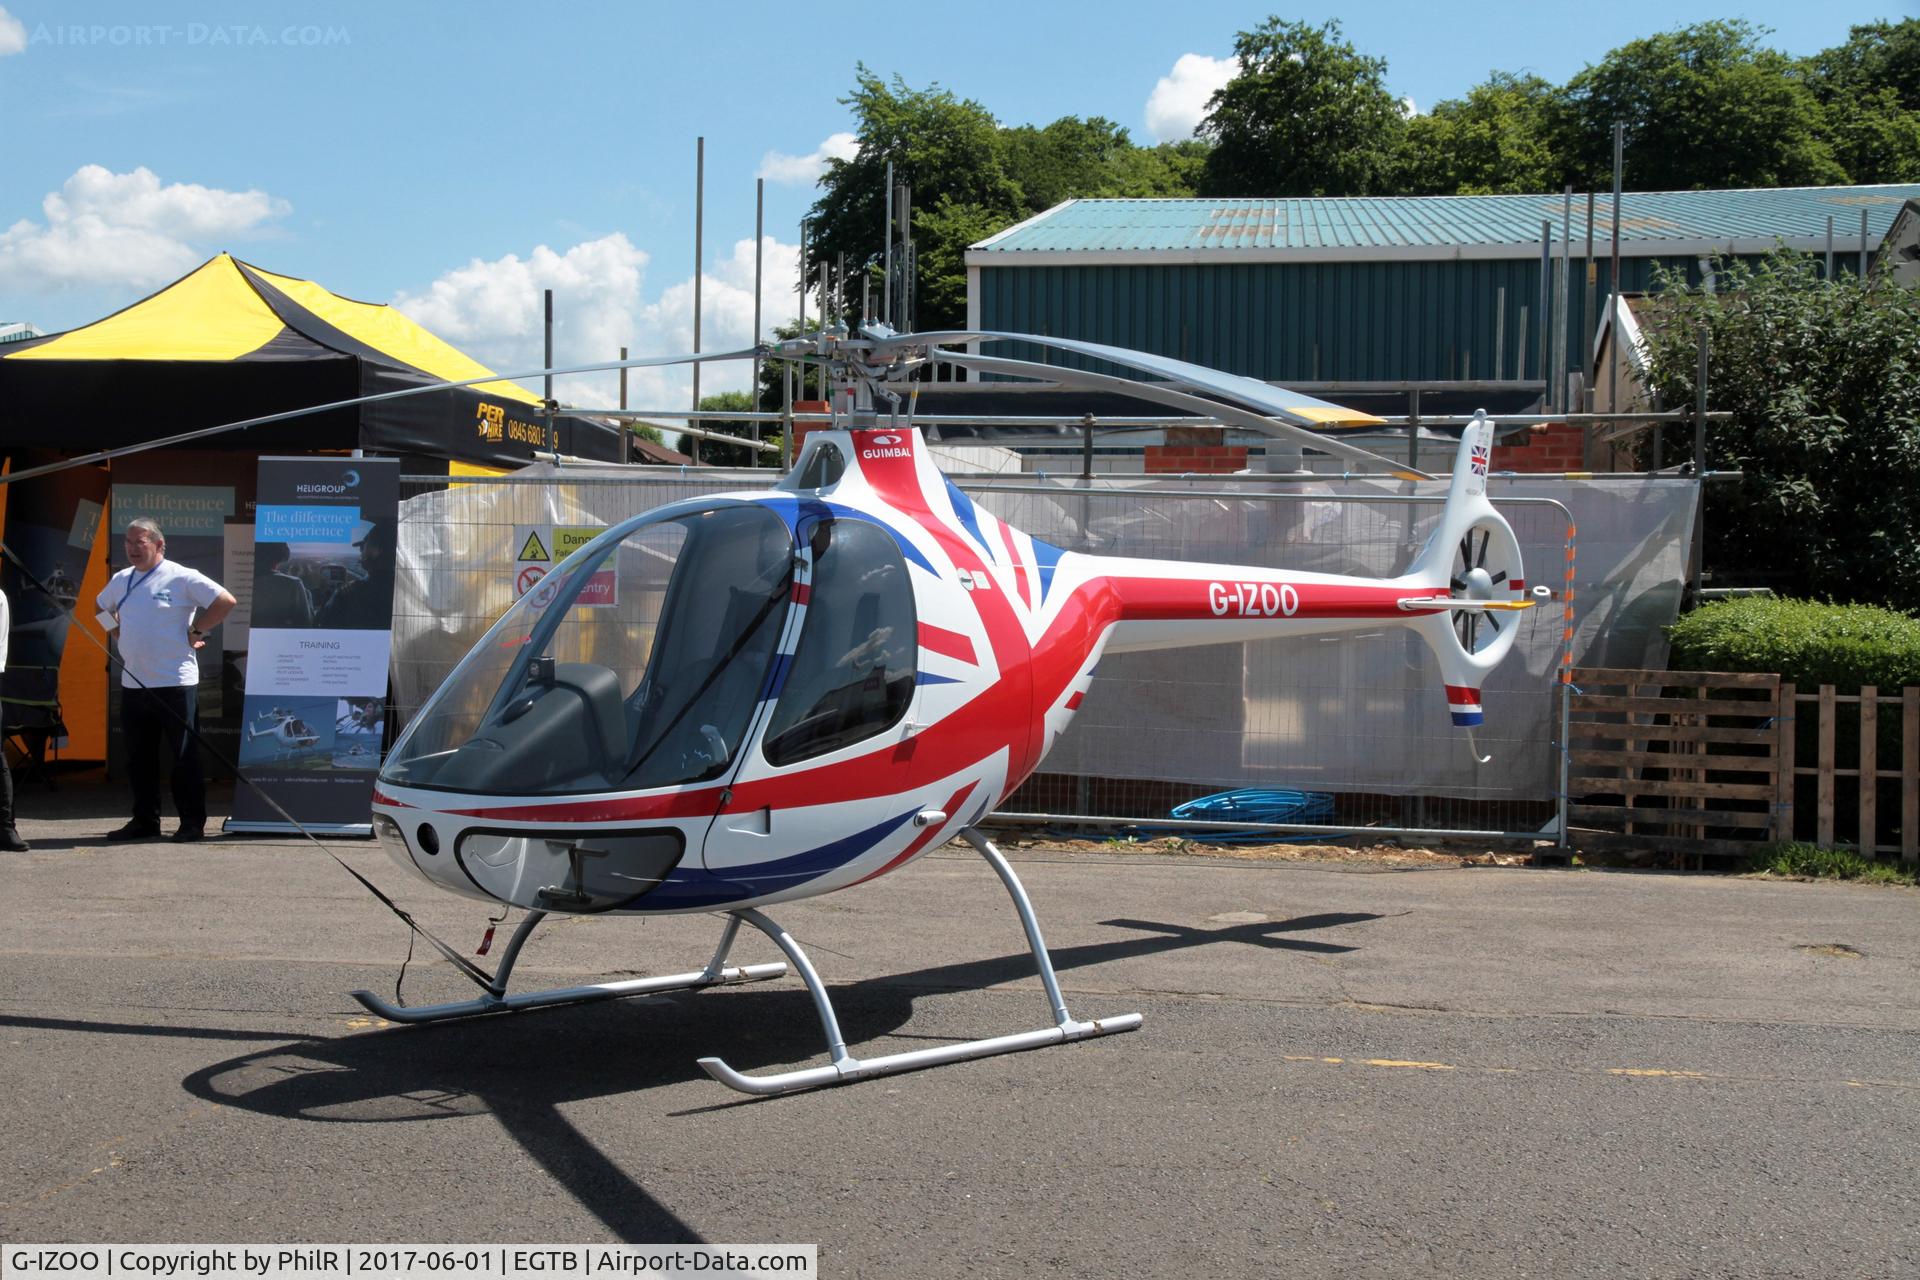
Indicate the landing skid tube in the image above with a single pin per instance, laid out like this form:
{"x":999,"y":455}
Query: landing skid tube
{"x":844,"y":1067}
{"x":498,"y":1001}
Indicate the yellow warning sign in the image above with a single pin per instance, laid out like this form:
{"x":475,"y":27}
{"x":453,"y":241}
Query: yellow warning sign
{"x":568,"y":539}
{"x":531,"y":548}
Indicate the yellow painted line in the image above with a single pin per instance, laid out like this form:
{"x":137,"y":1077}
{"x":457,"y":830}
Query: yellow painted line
{"x":1634,"y":1073}
{"x":362,"y":1024}
{"x":1418,"y":1066}
{"x":115,"y":1160}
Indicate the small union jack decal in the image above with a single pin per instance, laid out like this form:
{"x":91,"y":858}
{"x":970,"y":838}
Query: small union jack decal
{"x":1478,"y":459}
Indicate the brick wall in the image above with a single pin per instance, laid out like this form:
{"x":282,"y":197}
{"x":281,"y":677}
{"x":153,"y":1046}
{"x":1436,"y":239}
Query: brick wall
{"x":801,"y":430}
{"x":1554,"y":447}
{"x":1201,"y":450}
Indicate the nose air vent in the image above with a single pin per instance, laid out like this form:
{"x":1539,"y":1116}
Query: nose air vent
{"x":429,"y":839}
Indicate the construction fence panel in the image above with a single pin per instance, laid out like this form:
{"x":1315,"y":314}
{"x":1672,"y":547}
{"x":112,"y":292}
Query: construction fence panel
{"x":1360,"y":717}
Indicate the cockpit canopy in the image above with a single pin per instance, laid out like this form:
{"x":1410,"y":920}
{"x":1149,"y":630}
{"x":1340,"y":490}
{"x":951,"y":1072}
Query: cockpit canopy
{"x":638,"y":663}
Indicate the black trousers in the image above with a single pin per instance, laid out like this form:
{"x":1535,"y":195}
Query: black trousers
{"x":156,"y":721}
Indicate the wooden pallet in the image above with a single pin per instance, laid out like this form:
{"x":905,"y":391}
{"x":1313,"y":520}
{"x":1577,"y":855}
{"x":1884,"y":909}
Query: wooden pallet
{"x":1825,"y":709}
{"x":1688,"y":761}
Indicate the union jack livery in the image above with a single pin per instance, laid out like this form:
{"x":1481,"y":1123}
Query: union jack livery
{"x":805,"y":688}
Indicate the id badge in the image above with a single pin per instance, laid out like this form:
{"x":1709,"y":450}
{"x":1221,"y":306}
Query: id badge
{"x":106,"y":620}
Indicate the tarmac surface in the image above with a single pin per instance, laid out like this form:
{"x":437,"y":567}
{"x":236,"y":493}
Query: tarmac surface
{"x":1344,"y":1071}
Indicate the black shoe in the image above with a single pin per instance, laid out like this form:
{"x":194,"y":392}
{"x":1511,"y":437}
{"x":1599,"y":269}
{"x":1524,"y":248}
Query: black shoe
{"x":136,"y":830}
{"x":189,"y":835}
{"x":11,"y":842}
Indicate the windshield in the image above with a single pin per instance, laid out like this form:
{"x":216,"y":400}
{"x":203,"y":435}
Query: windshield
{"x":636,"y":663}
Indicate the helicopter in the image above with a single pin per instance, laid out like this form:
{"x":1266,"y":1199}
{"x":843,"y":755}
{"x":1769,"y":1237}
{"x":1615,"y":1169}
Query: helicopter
{"x":808,"y":687}
{"x":288,"y":731}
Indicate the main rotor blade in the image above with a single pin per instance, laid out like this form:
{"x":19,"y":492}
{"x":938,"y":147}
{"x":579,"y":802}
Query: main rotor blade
{"x":1291,"y":406}
{"x":106,"y":455}
{"x":1160,"y":393}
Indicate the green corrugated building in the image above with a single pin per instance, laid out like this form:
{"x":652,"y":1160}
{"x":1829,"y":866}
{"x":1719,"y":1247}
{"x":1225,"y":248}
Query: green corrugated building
{"x":1376,"y":289}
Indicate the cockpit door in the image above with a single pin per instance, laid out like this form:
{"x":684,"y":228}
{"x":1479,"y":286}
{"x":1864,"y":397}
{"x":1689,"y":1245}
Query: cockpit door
{"x":827,"y":775}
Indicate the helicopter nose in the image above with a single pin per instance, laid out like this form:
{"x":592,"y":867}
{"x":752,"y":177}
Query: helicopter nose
{"x":425,"y":838}
{"x":558,"y":869}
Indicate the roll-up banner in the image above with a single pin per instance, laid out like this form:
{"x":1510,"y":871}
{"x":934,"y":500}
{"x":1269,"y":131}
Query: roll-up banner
{"x":321,"y":629}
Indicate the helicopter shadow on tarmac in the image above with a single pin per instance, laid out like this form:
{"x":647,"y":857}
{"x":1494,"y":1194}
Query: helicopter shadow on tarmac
{"x":522,"y":1069}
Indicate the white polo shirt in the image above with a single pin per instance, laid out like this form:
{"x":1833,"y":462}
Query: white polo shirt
{"x":156,"y":611}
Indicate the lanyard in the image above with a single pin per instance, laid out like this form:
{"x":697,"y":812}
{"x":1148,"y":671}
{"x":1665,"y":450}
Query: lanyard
{"x":133,"y":582}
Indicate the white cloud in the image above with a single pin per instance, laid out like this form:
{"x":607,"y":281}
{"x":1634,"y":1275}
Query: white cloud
{"x":492,"y":310}
{"x":806,"y":170}
{"x":1179,"y":100}
{"x":1409,"y":108}
{"x":105,"y":228}
{"x":13,"y":35}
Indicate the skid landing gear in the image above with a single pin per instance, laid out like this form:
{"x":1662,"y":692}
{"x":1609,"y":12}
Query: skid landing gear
{"x":498,"y":1001}
{"x":844,"y":1067}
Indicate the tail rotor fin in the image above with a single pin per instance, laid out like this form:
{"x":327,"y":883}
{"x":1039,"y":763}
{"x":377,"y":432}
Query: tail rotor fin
{"x":1472,"y":558}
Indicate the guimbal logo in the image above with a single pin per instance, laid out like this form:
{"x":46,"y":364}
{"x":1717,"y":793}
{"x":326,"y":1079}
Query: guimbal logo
{"x":888,"y":446}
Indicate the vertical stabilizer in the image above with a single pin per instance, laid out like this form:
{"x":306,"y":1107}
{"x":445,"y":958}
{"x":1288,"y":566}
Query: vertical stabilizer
{"x":1474,"y":558}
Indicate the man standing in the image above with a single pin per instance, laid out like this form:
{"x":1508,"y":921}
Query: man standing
{"x":163,"y":612}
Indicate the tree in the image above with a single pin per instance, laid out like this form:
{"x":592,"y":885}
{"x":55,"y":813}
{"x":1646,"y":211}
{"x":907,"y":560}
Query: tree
{"x":1172,"y":170}
{"x":1497,"y":140}
{"x":940,"y":146}
{"x":1705,"y":107}
{"x":719,"y":453}
{"x":1874,"y":138}
{"x":1070,"y":157}
{"x":1870,"y":89}
{"x":969,"y":178}
{"x":808,"y":384}
{"x":1876,"y":56}
{"x":1093,"y":159}
{"x":1306,"y":116}
{"x":1823,"y":381}
{"x":941,"y":237}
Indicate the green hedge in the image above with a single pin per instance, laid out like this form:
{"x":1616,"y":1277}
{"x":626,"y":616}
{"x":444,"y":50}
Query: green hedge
{"x":1808,"y":643}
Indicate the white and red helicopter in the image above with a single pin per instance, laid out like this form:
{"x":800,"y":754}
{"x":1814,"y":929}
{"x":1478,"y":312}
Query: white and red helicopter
{"x":807,"y":687}
{"x":287,"y":730}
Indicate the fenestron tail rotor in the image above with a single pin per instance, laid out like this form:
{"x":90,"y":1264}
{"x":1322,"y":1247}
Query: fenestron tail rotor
{"x":1484,"y":583}
{"x":1469,"y":623}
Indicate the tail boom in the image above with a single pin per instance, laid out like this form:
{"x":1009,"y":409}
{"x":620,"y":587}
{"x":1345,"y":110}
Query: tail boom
{"x":1467,"y":576}
{"x":1167,"y":604}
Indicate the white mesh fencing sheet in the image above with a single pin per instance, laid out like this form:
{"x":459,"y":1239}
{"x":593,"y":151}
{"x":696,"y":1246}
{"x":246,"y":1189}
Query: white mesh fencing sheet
{"x":1361,"y":713}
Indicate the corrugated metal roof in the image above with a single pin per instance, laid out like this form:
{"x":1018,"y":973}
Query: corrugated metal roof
{"x":1386,"y":226}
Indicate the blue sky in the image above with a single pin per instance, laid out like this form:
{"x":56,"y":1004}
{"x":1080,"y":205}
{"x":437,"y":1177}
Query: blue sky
{"x":457,"y":158}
